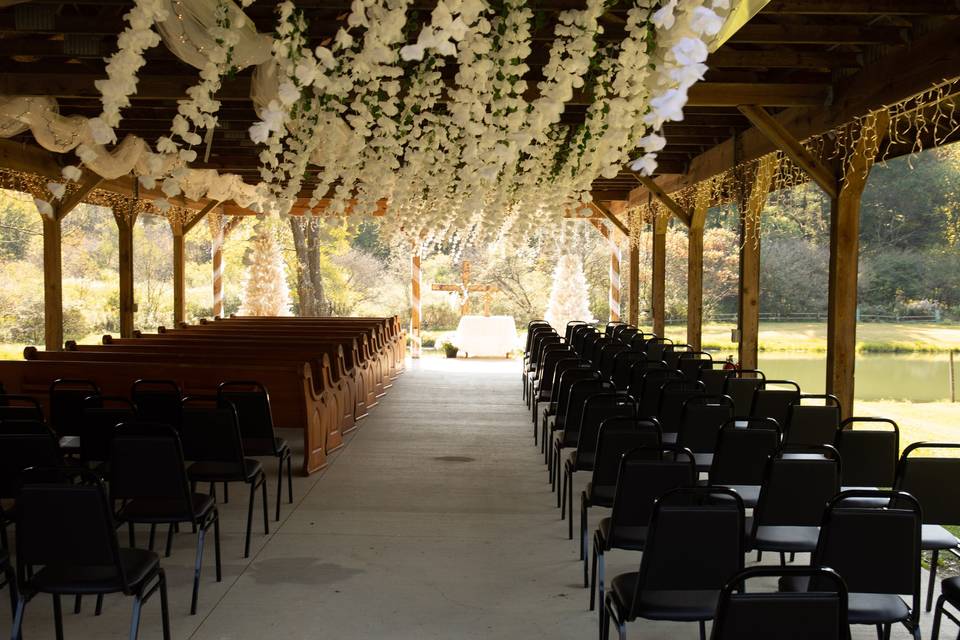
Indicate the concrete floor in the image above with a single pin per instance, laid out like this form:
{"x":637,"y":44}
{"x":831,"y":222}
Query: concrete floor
{"x":434,"y":521}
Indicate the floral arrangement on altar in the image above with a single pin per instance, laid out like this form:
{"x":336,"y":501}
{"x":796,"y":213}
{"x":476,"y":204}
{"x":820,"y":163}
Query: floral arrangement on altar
{"x":436,"y":119}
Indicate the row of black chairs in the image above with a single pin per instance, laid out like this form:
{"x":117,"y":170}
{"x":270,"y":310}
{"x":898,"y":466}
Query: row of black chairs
{"x":618,"y":427}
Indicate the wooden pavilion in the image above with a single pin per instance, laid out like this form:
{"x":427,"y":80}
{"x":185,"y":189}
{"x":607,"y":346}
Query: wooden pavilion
{"x":803,"y":88}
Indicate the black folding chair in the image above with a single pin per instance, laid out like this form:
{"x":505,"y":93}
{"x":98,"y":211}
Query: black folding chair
{"x":701,"y":419}
{"x":101,"y":415}
{"x":616,"y":437}
{"x":556,"y":420}
{"x":714,"y":377}
{"x":797,"y":484}
{"x":211,"y":441}
{"x":812,"y":423}
{"x":543,"y":380}
{"x":691,"y":363}
{"x":67,"y":398}
{"x":67,"y":545}
{"x":869,"y":448}
{"x":949,"y":594}
{"x":251,"y":401}
{"x":773,"y":400}
{"x":19,"y":451}
{"x":672,"y":396}
{"x":623,"y":363}
{"x":876,"y":550}
{"x":693,"y":549}
{"x":819,"y":613}
{"x":933,"y":481}
{"x":645,"y":475}
{"x":148,"y":476}
{"x":740,"y":384}
{"x":548,"y":408}
{"x":646,"y":388}
{"x":596,"y":410}
{"x":568,"y":436}
{"x":157,"y":401}
{"x":740,"y":459}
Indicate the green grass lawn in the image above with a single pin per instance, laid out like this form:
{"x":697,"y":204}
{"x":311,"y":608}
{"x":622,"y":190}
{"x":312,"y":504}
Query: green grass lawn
{"x":812,"y":336}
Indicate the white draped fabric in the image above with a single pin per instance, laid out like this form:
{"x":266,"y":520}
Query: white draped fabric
{"x":187,"y":34}
{"x":486,"y":335}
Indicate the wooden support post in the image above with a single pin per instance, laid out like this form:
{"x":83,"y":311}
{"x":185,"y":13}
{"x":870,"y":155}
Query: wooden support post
{"x":179,"y":280}
{"x":658,"y":274}
{"x":415,"y":307}
{"x":748,"y":315}
{"x":52,"y":262}
{"x":844,"y":258}
{"x":52,"y":284}
{"x":125,"y":224}
{"x":695,"y":274}
{"x":633,"y":294}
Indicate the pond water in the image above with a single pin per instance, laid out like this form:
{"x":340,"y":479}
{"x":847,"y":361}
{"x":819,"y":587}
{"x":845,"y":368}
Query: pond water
{"x":911,"y":377}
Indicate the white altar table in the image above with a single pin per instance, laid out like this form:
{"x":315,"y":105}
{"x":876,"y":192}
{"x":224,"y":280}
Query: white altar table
{"x":486,"y":335}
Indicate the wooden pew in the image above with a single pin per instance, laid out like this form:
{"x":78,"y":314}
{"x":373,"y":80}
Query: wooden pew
{"x":293,"y":397}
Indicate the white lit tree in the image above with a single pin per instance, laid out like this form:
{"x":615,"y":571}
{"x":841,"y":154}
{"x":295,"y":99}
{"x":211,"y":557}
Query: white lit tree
{"x":265,"y":292}
{"x":569,"y":299}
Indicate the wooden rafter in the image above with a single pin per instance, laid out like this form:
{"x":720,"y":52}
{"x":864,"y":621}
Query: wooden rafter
{"x":88,"y":183}
{"x":609,"y":215}
{"x":778,"y":135}
{"x":192,"y":222}
{"x":682,"y":214}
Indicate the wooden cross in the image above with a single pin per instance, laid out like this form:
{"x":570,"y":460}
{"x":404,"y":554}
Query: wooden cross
{"x":464,"y":290}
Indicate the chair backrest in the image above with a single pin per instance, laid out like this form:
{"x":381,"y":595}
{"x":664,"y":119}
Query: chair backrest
{"x":701,"y":418}
{"x":646,"y":474}
{"x":533,"y":338}
{"x":578,"y":334}
{"x":548,"y":363}
{"x":869,"y":448}
{"x":672,"y":353}
{"x":874,"y":549}
{"x":576,"y":402}
{"x":932,"y":480}
{"x":740,"y":385}
{"x":565,"y":364}
{"x":691,"y":362}
{"x":616,"y":437}
{"x":812,"y":423}
{"x":585,"y":337}
{"x":596,"y":410}
{"x":571,"y":326}
{"x":608,"y":356}
{"x":531,"y":326}
{"x":656,"y":347}
{"x":622,"y":364}
{"x":567,"y":379}
{"x":647,"y":389}
{"x":540,"y":343}
{"x":695,"y":541}
{"x":713,"y":376}
{"x":146,"y":461}
{"x":157,"y":401}
{"x":100,"y":417}
{"x":745,"y":613}
{"x":65,"y":523}
{"x":211,"y":434}
{"x":773,"y":400}
{"x":19,"y":451}
{"x":797,"y":486}
{"x":66,"y":404}
{"x":741,"y":454}
{"x":251,"y":400}
{"x":673,"y":395}
{"x":592,"y":345}
{"x":20,"y":407}
{"x":637,"y":369}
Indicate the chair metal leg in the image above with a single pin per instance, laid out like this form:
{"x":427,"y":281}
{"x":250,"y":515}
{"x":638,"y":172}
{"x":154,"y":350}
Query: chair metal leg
{"x":593,"y":577}
{"x":57,"y":616}
{"x":604,"y":624}
{"x":216,"y":543}
{"x":226,"y":492}
{"x":562,"y":496}
{"x":622,"y":630}
{"x":879,"y":632}
{"x":936,"y":618}
{"x":266,"y":509}
{"x":99,"y":608}
{"x":601,"y":576}
{"x":290,"y":477}
{"x":12,"y":588}
{"x":783,"y":558}
{"x":132,"y":535}
{"x":135,"y":618}
{"x":197,"y":565}
{"x":703,"y":630}
{"x":169,"y":547}
{"x":153,"y":536}
{"x":934,"y":558}
{"x":279,"y":485}
{"x":77,"y":603}
{"x":246,"y":546}
{"x":18,"y":618}
{"x":164,"y":605}
{"x":570,"y":509}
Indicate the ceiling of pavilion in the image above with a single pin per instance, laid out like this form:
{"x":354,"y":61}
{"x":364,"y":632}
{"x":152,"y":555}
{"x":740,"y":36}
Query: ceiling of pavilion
{"x":793,"y":53}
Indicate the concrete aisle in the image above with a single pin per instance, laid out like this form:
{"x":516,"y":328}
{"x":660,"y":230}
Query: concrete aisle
{"x":434,"y":521}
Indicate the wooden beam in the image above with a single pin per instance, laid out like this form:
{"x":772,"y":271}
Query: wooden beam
{"x":727,"y":58}
{"x":658,"y":274}
{"x":52,"y":283}
{"x":611,"y":217}
{"x":888,"y":80}
{"x":682,"y":214}
{"x":192,"y":222}
{"x":843,"y":272}
{"x":749,"y":299}
{"x":824,"y":34}
{"x":125,"y":226}
{"x":695,"y":272}
{"x":778,"y":135}
{"x":88,"y":183}
{"x":859,"y":7}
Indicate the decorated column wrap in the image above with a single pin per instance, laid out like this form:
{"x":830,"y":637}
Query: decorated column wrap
{"x":217,"y":236}
{"x":415,"y":339}
{"x":614,"y":278}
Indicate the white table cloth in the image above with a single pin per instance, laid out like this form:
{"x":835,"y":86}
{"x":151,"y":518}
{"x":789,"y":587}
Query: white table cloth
{"x":486,"y":335}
